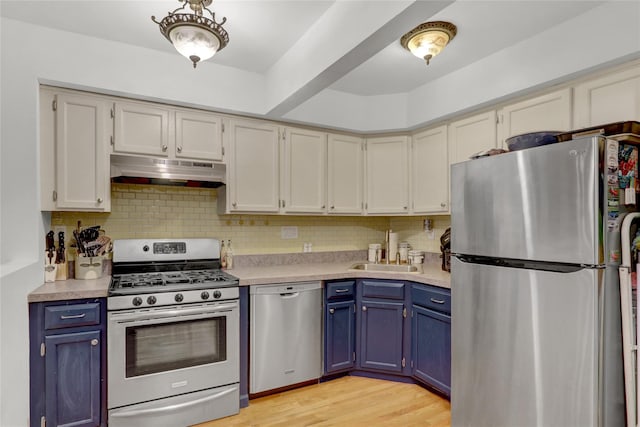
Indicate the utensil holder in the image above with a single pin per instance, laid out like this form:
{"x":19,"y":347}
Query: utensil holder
{"x":88,"y":268}
{"x":50,"y":269}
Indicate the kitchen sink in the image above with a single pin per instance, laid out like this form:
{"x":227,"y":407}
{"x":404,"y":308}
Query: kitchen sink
{"x":389,"y":268}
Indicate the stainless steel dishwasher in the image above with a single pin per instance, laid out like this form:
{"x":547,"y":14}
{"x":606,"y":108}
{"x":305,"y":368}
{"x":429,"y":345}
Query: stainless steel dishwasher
{"x":286,"y":335}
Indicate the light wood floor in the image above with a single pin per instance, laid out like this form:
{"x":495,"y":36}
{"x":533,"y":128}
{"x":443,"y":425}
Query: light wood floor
{"x":346,"y":401}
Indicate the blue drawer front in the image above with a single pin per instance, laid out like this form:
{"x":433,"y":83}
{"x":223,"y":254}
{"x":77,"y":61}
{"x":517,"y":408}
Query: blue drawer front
{"x":433,"y":298}
{"x":67,"y":316}
{"x":340,"y":289}
{"x":380,"y":289}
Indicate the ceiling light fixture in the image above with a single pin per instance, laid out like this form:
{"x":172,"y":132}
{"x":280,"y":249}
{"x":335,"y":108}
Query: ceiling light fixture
{"x":193,"y":35}
{"x":428,"y":39}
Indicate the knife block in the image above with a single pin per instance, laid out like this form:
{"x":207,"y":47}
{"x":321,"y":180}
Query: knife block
{"x":88,"y":268}
{"x":62,"y":270}
{"x":50,"y":269}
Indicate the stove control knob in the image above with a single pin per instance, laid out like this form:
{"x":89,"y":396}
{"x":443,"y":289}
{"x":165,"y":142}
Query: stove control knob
{"x":204,"y":295}
{"x":137,"y":301}
{"x":145,"y":248}
{"x":179,"y":297}
{"x":217,"y":294}
{"x":151,"y":300}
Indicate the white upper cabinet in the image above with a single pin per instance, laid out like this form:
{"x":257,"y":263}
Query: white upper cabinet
{"x":612,"y":98}
{"x":253,"y":168}
{"x":387,"y":174}
{"x":75,"y":131}
{"x":345,"y":174}
{"x":472,"y":135}
{"x":550,"y":112}
{"x":198,"y":135}
{"x":430,"y":172}
{"x":141,"y":129}
{"x":304,"y":172}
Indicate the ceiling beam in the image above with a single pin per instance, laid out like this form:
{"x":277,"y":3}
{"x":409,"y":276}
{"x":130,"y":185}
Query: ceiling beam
{"x":345,"y":36}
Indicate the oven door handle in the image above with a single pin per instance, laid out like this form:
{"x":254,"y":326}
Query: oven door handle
{"x":170,"y":408}
{"x":160,"y":314}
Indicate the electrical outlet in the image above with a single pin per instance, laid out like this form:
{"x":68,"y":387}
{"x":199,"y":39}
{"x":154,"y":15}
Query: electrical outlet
{"x":289,"y":232}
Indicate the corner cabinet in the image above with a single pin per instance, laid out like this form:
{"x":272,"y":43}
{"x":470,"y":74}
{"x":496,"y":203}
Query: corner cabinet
{"x":253,"y":168}
{"x":339,"y":326}
{"x":74,"y":160}
{"x":431,"y":336}
{"x":382,"y":326}
{"x":68,"y":363}
{"x":345,"y":176}
{"x":430,"y":172}
{"x":387,"y":172}
{"x":304,"y":171}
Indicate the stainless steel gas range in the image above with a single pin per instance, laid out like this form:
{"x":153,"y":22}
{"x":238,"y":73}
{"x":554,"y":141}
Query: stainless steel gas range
{"x":173,"y":334}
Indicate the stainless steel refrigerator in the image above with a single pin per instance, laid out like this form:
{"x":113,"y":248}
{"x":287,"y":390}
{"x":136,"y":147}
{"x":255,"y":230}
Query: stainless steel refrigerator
{"x":536,"y":331}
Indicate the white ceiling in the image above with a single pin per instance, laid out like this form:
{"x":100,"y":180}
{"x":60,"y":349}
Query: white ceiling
{"x":263,"y":31}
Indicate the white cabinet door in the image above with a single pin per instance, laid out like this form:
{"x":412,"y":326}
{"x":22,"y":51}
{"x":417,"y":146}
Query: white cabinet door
{"x":471,"y":135}
{"x":387,"y":175}
{"x":304,"y":174}
{"x":430,"y":172}
{"x":141,"y":129}
{"x":198,"y":135}
{"x":345,"y":174}
{"x":550,"y":112}
{"x":81,"y":156}
{"x":253,"y":168}
{"x":612,"y":98}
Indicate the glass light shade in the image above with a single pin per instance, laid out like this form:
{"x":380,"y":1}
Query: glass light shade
{"x":428,"y":43}
{"x":192,"y":41}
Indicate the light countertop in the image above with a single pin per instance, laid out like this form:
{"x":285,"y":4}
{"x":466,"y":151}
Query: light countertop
{"x":257,"y":275}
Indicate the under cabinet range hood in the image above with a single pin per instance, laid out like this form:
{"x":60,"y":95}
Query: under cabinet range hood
{"x":148,"y":170}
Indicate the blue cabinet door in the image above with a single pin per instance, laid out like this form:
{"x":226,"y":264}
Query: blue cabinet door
{"x":340,"y":339}
{"x":73,"y":379}
{"x":431,"y":348}
{"x":381,"y":335}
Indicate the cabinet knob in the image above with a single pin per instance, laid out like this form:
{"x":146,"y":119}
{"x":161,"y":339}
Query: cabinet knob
{"x":405,"y":208}
{"x":164,"y":148}
{"x":443,"y":204}
{"x":364,"y":308}
{"x":331,"y":310}
{"x":322,"y":207}
{"x":179,"y":149}
{"x":100,"y":200}
{"x":94,"y":342}
{"x":333,"y":207}
{"x":234,"y":204}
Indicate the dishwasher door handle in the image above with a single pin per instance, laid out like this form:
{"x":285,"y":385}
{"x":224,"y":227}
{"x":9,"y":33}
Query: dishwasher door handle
{"x":289,"y":294}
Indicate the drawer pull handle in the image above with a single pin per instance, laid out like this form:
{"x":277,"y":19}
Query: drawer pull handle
{"x":437,"y":301}
{"x":75,"y":316}
{"x":94,"y":342}
{"x":341,"y":291}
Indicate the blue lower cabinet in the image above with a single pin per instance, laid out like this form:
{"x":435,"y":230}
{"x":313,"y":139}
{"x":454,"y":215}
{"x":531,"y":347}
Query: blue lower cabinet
{"x":67,"y":358}
{"x":431,"y":348}
{"x":339,"y":336}
{"x":72,"y":363}
{"x":381,"y":336}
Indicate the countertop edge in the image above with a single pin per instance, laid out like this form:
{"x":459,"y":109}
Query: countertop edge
{"x":249,"y":276}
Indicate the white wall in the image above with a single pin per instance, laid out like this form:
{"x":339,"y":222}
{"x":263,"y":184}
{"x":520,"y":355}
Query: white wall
{"x":31,"y":54}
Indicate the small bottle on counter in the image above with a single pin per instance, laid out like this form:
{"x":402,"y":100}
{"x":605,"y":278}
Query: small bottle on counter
{"x":229,"y":256}
{"x":223,"y":256}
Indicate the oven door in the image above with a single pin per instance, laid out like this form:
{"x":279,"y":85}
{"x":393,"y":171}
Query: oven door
{"x":166,"y":351}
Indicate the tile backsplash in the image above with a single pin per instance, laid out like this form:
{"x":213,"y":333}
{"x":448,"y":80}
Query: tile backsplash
{"x":153,"y":211}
